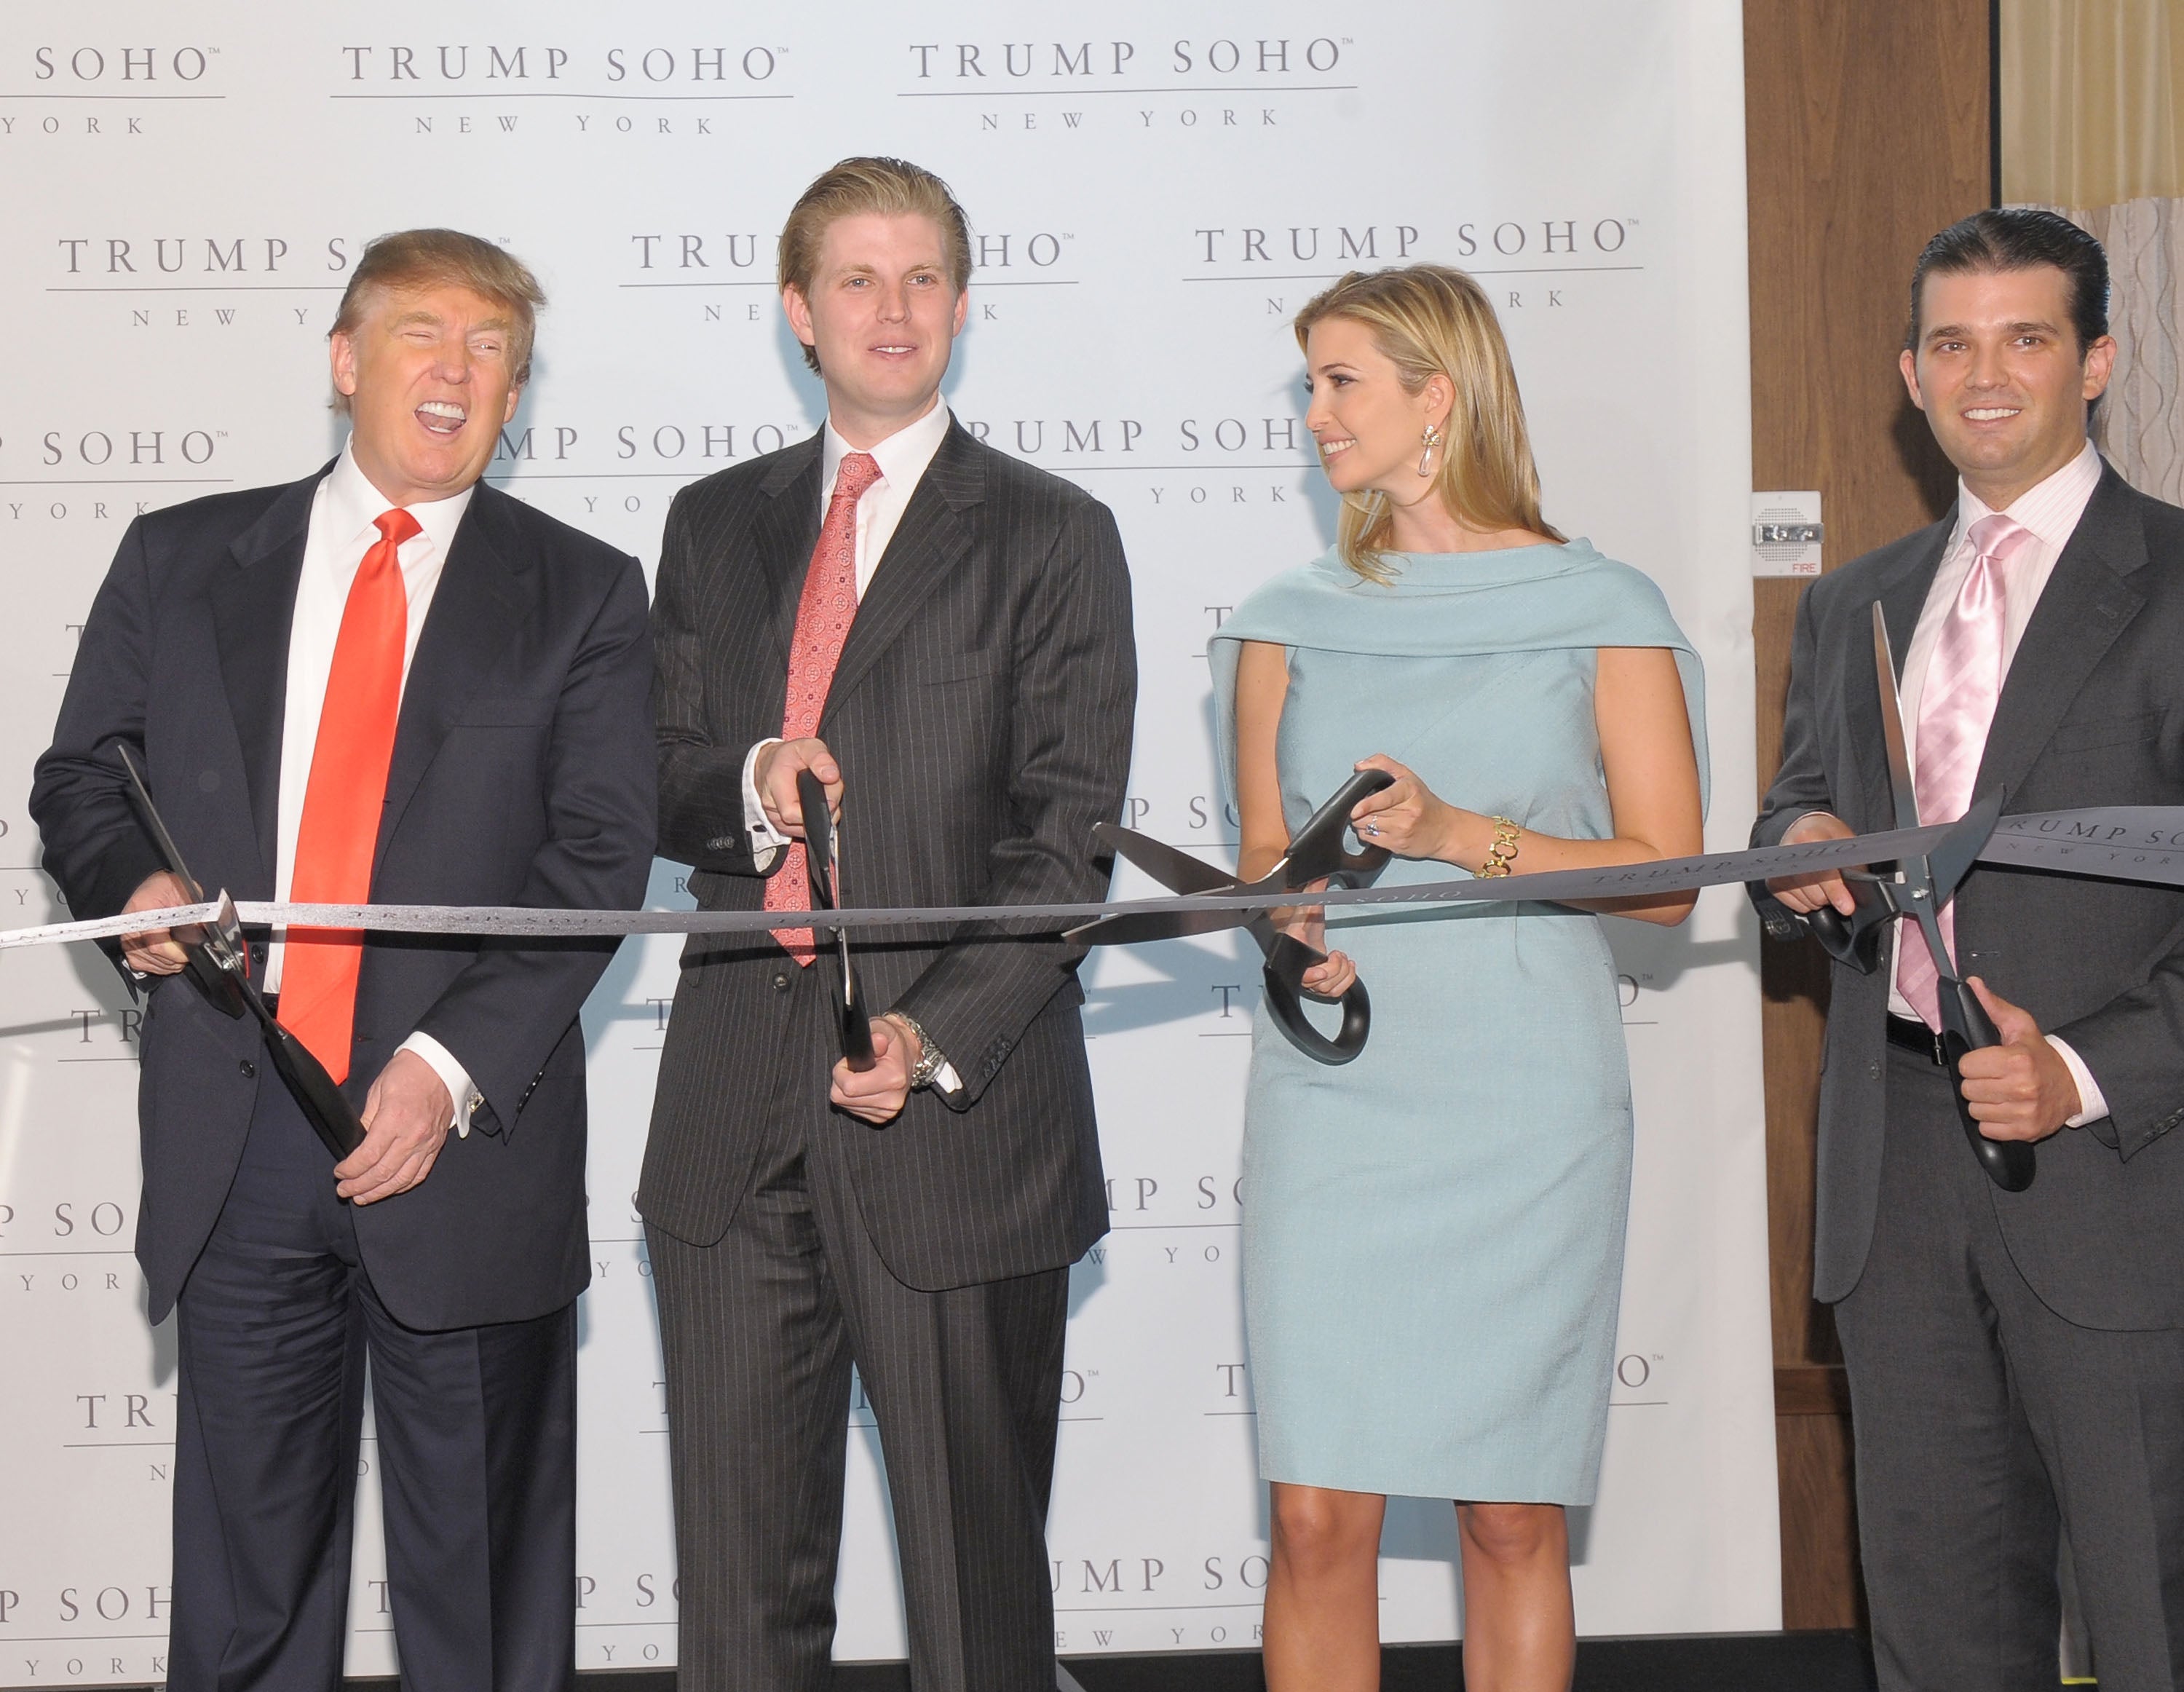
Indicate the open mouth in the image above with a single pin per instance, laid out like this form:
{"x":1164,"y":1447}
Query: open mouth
{"x":1328,"y":449}
{"x":1990,"y":414}
{"x":443,"y":417}
{"x":896,"y":350}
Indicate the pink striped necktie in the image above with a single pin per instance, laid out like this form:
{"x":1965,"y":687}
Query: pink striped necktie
{"x":1956,"y":708}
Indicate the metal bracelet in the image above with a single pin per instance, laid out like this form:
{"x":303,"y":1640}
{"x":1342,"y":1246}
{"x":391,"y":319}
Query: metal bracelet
{"x":930,"y":1057}
{"x":1504,"y":850}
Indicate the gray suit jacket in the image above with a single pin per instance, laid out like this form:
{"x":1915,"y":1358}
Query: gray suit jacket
{"x":981,"y":713}
{"x":2092,"y":714}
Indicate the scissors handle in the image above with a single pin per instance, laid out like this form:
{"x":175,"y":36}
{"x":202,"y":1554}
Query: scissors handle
{"x":1854,"y":939}
{"x":1287,"y":961}
{"x":1966,"y":1026}
{"x":819,"y":869}
{"x":1316,"y":849}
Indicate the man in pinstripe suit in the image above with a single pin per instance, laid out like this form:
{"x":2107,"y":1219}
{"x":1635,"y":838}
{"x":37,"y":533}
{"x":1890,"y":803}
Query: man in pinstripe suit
{"x":942,"y":635}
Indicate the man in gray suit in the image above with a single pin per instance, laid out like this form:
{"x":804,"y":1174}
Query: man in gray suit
{"x":941,"y":635}
{"x":2016,"y":1361}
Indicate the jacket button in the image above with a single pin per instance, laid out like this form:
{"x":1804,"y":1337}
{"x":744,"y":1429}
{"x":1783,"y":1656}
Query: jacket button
{"x":1872,"y":1071}
{"x":249,"y":1070}
{"x":781,"y":982}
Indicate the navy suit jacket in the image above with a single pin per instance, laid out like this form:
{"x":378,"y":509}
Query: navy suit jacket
{"x":522,"y":774}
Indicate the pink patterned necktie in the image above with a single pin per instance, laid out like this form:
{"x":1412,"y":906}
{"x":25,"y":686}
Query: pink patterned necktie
{"x":824,"y":612}
{"x":1956,"y":708}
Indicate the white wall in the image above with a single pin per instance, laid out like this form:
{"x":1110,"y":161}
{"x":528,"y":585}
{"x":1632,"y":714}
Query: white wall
{"x":1156,"y":188}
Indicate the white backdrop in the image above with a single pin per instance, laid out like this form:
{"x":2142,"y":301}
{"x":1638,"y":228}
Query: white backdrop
{"x":1155,"y":189}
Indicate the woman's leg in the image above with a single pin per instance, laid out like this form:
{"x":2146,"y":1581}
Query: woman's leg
{"x":1519,"y":1631}
{"x":1322,"y":1622}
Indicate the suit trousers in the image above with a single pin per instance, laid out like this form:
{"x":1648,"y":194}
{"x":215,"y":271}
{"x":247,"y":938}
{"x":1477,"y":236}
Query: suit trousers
{"x":475,"y":1450}
{"x":1986,"y":1426}
{"x":760,"y":1330}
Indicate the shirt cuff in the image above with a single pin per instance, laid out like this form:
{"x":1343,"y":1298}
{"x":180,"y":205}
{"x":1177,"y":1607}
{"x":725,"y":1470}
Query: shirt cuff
{"x":453,"y":1076}
{"x":1817,"y":810}
{"x":766,"y":839}
{"x":945,"y":1079}
{"x":2093,"y":1104}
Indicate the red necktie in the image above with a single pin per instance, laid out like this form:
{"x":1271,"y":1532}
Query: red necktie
{"x":344,"y":798}
{"x":824,"y":612}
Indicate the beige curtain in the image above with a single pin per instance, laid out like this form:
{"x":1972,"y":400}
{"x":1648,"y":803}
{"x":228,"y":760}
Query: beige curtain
{"x":2092,"y":124}
{"x":2091,"y":101}
{"x":2140,"y":424}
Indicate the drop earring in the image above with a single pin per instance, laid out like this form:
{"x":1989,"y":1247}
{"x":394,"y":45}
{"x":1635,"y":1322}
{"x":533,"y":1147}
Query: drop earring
{"x":1432,"y":438}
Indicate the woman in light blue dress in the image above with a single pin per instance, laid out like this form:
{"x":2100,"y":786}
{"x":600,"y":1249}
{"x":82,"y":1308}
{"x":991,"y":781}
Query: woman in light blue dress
{"x":1433,"y":1234}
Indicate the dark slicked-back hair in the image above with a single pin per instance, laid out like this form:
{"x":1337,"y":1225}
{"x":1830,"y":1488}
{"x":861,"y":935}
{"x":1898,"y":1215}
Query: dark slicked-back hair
{"x":2019,"y":238}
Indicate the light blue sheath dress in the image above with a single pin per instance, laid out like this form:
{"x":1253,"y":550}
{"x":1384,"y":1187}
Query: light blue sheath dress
{"x":1433,"y":1234}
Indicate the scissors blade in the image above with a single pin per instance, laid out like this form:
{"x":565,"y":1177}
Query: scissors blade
{"x":1891,"y":726}
{"x":168,"y":849}
{"x":1951,"y":861}
{"x":1133,"y":927}
{"x":1176,"y":870}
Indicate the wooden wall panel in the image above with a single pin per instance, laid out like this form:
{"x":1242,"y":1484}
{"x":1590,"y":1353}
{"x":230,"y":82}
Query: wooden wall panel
{"x":1867,"y":130}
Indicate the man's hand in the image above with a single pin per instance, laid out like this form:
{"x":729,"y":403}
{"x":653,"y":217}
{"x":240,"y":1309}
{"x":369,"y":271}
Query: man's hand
{"x":879,"y":1095}
{"x":2020,"y":1089}
{"x":1806,"y":894}
{"x":406,"y":1118}
{"x":774,"y":776}
{"x":155,"y":951}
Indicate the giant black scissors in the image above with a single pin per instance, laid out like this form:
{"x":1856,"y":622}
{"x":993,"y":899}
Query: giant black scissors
{"x":822,"y":859}
{"x":1917,"y":891}
{"x":1316,"y":852}
{"x":218,"y":965}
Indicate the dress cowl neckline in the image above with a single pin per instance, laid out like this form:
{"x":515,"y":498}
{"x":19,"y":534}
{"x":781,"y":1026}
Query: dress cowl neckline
{"x":1453,"y":604}
{"x":1534,"y":599}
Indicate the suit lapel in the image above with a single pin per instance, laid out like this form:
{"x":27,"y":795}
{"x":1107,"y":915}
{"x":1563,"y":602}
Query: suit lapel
{"x":253,"y":605}
{"x":785,"y":530}
{"x":1901,"y":597}
{"x":2087,"y":604}
{"x":935,"y":532}
{"x":474,"y":612}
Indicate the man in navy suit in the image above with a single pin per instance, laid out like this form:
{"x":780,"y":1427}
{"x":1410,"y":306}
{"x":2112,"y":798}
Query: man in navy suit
{"x":386,"y":681}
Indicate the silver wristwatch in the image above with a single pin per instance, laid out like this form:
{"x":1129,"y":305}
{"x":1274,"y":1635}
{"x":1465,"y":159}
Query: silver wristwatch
{"x":930,"y":1059}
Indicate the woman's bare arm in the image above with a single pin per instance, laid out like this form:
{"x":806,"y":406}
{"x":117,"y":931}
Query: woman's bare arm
{"x":1652,"y":778}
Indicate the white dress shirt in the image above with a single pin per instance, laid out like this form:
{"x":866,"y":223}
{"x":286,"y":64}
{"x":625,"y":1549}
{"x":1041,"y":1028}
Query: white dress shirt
{"x":2051,"y":510}
{"x":902,"y":458}
{"x":343,"y":513}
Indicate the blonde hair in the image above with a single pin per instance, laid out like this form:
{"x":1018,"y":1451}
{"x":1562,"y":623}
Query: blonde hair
{"x":892,"y":187}
{"x":435,"y":258}
{"x":1433,"y":320}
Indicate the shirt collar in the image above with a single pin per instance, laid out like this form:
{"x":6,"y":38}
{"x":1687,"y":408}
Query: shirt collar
{"x":2050,"y":509}
{"x":353,"y":506}
{"x":902,"y":457}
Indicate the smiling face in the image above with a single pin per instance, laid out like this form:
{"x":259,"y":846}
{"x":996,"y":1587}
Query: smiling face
{"x":1368,"y":429}
{"x":2000,"y":376}
{"x":883,"y":316}
{"x":429,"y":377}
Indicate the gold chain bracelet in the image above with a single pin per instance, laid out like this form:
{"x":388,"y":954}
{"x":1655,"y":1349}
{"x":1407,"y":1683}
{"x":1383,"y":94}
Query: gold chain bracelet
{"x":1504,"y":850}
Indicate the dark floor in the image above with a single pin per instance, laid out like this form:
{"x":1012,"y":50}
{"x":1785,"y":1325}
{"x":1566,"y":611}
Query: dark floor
{"x":1723,"y":1663}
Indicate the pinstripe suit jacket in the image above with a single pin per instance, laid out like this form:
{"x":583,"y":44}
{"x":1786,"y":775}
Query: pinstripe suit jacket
{"x":981,"y":713}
